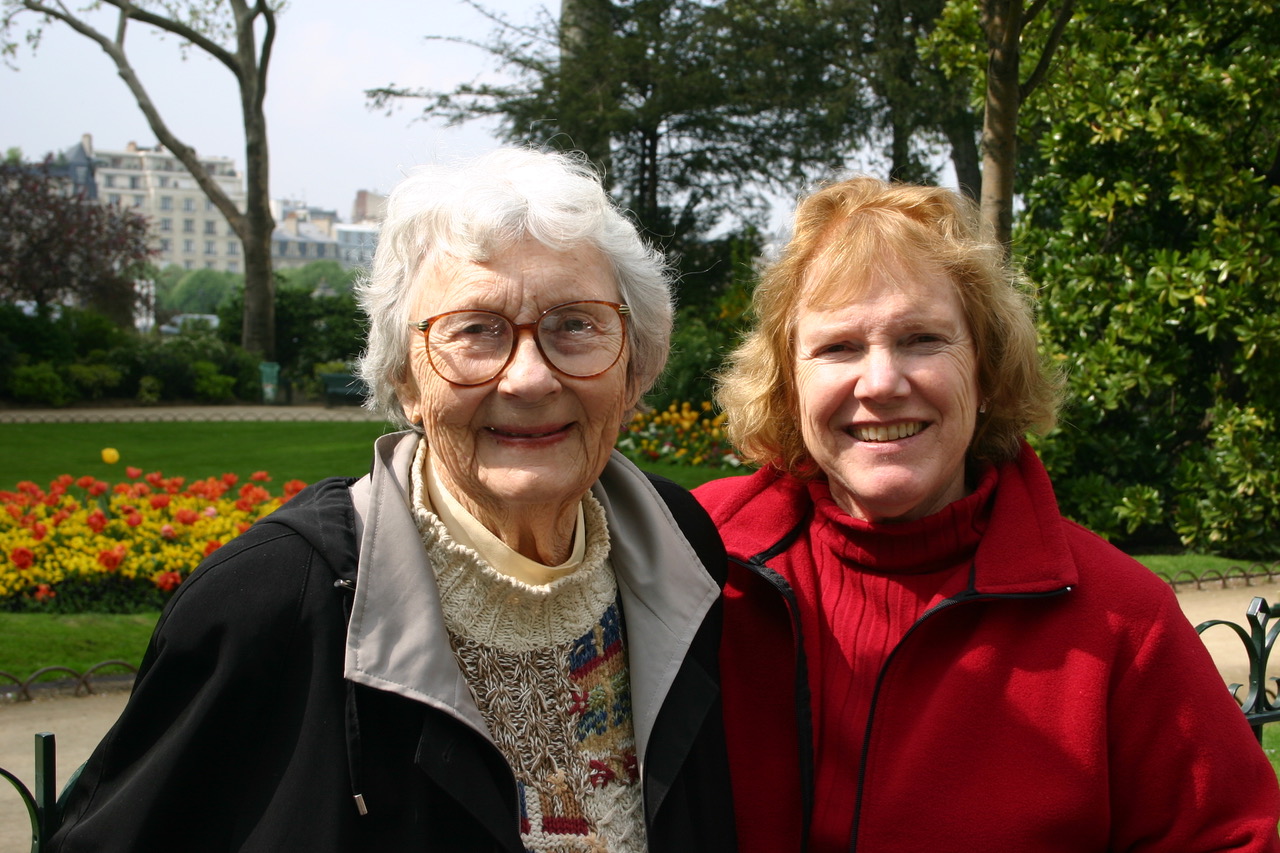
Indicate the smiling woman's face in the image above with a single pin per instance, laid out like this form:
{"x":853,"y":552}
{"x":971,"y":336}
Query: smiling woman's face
{"x":532,"y":441}
{"x":888,"y":391}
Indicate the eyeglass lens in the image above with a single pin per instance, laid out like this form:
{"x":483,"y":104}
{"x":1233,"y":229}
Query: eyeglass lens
{"x":578,"y":339}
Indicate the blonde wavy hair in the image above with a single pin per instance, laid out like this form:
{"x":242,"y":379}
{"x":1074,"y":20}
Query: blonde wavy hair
{"x":861,"y":228}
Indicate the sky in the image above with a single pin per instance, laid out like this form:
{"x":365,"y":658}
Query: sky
{"x":325,"y":143}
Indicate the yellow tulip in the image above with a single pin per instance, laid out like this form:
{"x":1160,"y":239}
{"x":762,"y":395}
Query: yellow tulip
{"x":110,"y":455}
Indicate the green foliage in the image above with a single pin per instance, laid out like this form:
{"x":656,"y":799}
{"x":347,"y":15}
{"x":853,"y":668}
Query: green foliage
{"x":710,"y":320}
{"x":39,"y":383}
{"x":203,"y":292}
{"x":328,"y":278}
{"x":93,"y":380}
{"x":697,"y":109}
{"x":168,"y":364}
{"x":1153,"y":222}
{"x":210,"y":385}
{"x":310,"y":329}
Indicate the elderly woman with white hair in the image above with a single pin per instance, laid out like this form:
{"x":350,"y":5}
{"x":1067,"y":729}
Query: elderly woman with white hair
{"x":505,"y":636}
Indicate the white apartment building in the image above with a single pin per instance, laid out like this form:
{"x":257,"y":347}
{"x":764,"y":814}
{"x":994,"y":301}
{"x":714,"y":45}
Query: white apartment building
{"x":185,"y":226}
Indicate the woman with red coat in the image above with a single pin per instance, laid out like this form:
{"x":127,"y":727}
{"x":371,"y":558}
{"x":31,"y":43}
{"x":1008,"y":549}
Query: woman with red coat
{"x":921,"y":653}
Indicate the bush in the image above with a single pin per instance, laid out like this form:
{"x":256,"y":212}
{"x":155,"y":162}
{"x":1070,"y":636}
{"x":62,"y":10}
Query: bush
{"x":93,"y":380}
{"x":210,"y":385}
{"x":170,"y":363}
{"x":40,"y":383}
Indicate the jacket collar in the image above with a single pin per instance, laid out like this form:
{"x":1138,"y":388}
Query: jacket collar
{"x":1024,"y":550}
{"x":397,"y":641}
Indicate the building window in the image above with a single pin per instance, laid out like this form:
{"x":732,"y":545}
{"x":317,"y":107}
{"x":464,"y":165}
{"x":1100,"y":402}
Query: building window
{"x":166,"y":202}
{"x":113,"y":198}
{"x":210,"y":248}
{"x":188,"y":226}
{"x":188,"y":205}
{"x":189,"y":246}
{"x":320,"y":251}
{"x":109,"y":181}
{"x":137,"y":201}
{"x":164,"y":181}
{"x":233,"y":266}
{"x":165,"y":244}
{"x":134,"y":182}
{"x":166,"y":224}
{"x":211,"y":265}
{"x":233,"y":248}
{"x":208,"y":205}
{"x":282,"y":248}
{"x":210,"y":226}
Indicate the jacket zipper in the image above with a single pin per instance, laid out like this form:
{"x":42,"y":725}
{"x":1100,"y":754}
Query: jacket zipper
{"x":967,"y":596}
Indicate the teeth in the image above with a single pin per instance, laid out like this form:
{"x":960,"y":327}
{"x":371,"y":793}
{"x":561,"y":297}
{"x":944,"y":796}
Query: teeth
{"x":891,"y":432}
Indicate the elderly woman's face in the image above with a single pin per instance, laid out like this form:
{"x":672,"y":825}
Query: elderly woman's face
{"x":532,"y":440}
{"x":888,"y":392}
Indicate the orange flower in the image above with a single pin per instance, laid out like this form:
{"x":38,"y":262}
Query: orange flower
{"x":167,"y":581}
{"x":44,"y":592}
{"x":113,"y":557}
{"x":230,"y":479}
{"x":160,"y":501}
{"x":39,"y":531}
{"x":132,"y":472}
{"x":133,"y":519}
{"x":97,"y":488}
{"x":168,"y":532}
{"x":96,"y":520}
{"x":186,"y":516}
{"x":292,"y":487}
{"x":260,"y":476}
{"x":85,"y":482}
{"x":211,"y":546}
{"x":22,"y":558}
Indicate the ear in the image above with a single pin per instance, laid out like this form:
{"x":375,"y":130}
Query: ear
{"x":410,"y":398}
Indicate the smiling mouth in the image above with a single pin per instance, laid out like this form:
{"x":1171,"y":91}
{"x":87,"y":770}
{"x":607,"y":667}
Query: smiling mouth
{"x":507,"y":433}
{"x":890,"y":432}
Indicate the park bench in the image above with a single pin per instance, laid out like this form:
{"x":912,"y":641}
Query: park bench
{"x":343,"y":389}
{"x":44,"y":805}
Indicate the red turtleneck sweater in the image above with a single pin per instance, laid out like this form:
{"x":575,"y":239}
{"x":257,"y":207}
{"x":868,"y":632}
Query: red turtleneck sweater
{"x":861,"y":588}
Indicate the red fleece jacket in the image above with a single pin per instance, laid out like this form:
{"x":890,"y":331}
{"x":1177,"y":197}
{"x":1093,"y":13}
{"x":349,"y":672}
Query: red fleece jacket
{"x":1059,"y":701}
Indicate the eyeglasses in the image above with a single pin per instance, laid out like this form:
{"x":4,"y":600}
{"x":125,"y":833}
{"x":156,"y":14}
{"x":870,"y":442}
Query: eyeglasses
{"x":579,"y":339}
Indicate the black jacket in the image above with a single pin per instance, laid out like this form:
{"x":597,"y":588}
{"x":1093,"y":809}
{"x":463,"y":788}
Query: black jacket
{"x":242,"y":733}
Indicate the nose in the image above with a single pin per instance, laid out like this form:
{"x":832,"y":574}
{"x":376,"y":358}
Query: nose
{"x":882,"y":376}
{"x":527,"y":374}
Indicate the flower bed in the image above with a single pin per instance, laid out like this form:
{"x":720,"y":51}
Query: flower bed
{"x":86,"y":544}
{"x":681,"y":433}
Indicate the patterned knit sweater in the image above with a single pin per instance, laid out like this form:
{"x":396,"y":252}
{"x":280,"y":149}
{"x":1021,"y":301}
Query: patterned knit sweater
{"x":548,"y":669}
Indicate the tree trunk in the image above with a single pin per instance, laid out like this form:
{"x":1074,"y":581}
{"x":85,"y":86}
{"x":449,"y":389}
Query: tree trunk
{"x":1002,"y":22}
{"x":959,"y":128}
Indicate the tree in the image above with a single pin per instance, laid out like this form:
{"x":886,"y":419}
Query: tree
{"x":204,"y":291}
{"x":62,"y":247}
{"x":226,"y":30}
{"x":700,"y":109}
{"x":1153,"y":224}
{"x":985,"y":41}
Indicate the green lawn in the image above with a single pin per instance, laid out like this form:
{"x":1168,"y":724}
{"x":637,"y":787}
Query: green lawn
{"x":304,"y":450}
